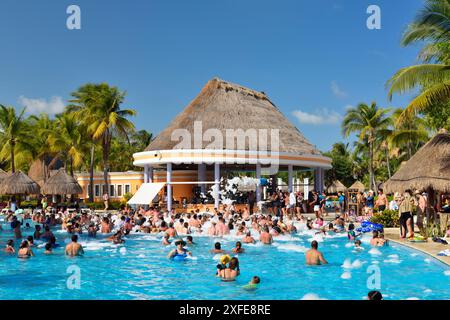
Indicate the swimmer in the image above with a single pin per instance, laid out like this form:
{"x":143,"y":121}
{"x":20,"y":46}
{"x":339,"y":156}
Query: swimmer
{"x":37,"y":233}
{"x":253,"y":284}
{"x":224,"y":260}
{"x":358,"y":245}
{"x":189,"y":240}
{"x":238,"y":248}
{"x":351,"y":234}
{"x":48,"y":248}
{"x":248,"y":238}
{"x":179,"y":251}
{"x":314,"y":256}
{"x":217,"y":248}
{"x":25,"y":250}
{"x":92,"y":230}
{"x":374,"y":295}
{"x":265,"y":236}
{"x":74,"y":248}
{"x":31,"y":241}
{"x":10,"y":247}
{"x":232,"y":271}
{"x":376,"y":240}
{"x":165,"y":239}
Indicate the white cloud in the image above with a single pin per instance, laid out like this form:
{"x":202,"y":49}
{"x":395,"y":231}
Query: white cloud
{"x":35,"y":106}
{"x":323,"y":116}
{"x":338,"y":92}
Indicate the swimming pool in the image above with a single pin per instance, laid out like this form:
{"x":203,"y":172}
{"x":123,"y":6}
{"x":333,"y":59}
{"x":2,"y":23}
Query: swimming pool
{"x":139,"y":269}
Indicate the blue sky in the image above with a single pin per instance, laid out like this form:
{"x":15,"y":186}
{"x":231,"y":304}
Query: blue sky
{"x":313,"y":58}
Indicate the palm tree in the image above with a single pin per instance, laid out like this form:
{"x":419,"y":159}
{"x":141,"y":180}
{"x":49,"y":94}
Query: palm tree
{"x":41,"y":126}
{"x":14,"y":134}
{"x":367,"y":122}
{"x":68,"y":140}
{"x":98,"y":107}
{"x":432,"y":26}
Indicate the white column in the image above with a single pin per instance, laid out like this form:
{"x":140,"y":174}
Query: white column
{"x":150,"y":174}
{"x":201,"y":175}
{"x":290,"y":177}
{"x":258,"y":188}
{"x":169,"y":187}
{"x":217,"y":183}
{"x":146,"y":173}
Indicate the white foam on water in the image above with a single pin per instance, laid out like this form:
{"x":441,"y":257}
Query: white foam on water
{"x":427,"y":290}
{"x":94,"y":245}
{"x":141,"y":256}
{"x":375,"y":262}
{"x":346,"y":275}
{"x":447,"y":272}
{"x":217,"y":257}
{"x":414,"y":254}
{"x":191,"y":258}
{"x":396,"y":261}
{"x":291,"y":247}
{"x":427,"y":260}
{"x":347,"y":264}
{"x":123,"y":251}
{"x":412,"y":298}
{"x":349,"y":245}
{"x":375,"y":252}
{"x":357,"y":264}
{"x":311,"y":296}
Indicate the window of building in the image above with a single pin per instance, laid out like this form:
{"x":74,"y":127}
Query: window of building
{"x":97,"y":190}
{"x":112,"y":190}
{"x":127,"y":188}
{"x":104,"y":189}
{"x":119,"y":190}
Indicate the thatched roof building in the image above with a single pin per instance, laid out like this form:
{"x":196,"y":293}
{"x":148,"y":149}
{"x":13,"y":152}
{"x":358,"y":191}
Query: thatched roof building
{"x":40,"y":172}
{"x":428,"y":168}
{"x":3,"y":174}
{"x":223,"y":105}
{"x":18,"y":183}
{"x":358,"y":185}
{"x":61,"y":183}
{"x":336,"y":187}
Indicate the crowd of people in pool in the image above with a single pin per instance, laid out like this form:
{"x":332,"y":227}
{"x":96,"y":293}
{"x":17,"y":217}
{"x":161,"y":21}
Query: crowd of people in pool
{"x":174,"y":226}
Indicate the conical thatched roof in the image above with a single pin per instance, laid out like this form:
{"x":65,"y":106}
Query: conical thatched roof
{"x":3,"y":174}
{"x":222,"y":105}
{"x":336,"y":187}
{"x":61,"y":183}
{"x":358,"y":185}
{"x":18,"y":183}
{"x":429,"y":167}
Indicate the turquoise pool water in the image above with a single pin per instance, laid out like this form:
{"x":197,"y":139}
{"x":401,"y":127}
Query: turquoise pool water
{"x":139,"y":269}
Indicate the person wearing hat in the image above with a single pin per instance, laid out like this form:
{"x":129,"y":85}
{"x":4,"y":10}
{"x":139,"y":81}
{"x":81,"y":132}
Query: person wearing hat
{"x":180,"y":253}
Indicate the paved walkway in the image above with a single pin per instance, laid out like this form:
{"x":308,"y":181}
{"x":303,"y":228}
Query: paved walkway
{"x":430,"y":247}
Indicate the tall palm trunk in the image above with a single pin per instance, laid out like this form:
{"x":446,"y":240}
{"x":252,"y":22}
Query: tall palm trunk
{"x":387,"y":163}
{"x":371,"y":175}
{"x":13,"y":165}
{"x":106,"y":162}
{"x":91,"y":175}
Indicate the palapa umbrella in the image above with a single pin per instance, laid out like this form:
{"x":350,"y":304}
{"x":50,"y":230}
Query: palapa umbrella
{"x":336,"y":187}
{"x":18,"y":183}
{"x":358,"y":185}
{"x":61,"y":183}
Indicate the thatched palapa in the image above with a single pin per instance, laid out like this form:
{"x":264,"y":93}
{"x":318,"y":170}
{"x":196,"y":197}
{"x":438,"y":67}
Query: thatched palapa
{"x":358,"y":185}
{"x":3,"y":174}
{"x":18,"y":183}
{"x":223,"y":105}
{"x":336,"y":187}
{"x":61,"y":183}
{"x":428,"y":168}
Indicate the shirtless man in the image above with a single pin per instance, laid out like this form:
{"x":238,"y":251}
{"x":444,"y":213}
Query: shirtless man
{"x":248,"y":238}
{"x":376,"y":240}
{"x":382,"y":202}
{"x":74,"y":248}
{"x":265,"y":236}
{"x":217,"y":248}
{"x":313,"y":256}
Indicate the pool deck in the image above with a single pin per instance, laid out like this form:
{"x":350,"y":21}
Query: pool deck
{"x":431,"y":248}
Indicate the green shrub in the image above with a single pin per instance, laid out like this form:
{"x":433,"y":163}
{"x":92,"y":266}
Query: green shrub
{"x":388,"y":218}
{"x":113,"y":205}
